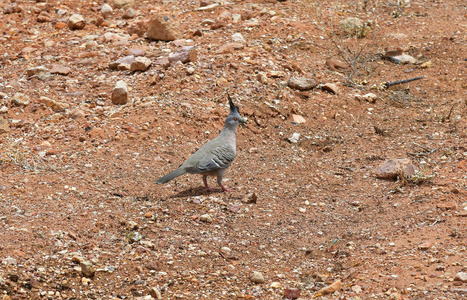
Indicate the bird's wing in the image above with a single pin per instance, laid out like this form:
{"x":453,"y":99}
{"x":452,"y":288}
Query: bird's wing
{"x":217,"y":158}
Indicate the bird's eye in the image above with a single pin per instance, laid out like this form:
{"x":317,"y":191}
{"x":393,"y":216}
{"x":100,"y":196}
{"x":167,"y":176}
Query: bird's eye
{"x":235,"y":118}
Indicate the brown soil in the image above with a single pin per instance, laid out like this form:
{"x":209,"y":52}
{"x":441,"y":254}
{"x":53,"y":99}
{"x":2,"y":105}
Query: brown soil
{"x":77,"y":190}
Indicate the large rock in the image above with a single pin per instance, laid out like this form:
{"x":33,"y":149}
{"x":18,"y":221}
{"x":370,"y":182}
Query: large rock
{"x":393,"y":168}
{"x":20,"y":99}
{"x":162,"y":28}
{"x":120,"y":93}
{"x":140,"y":63}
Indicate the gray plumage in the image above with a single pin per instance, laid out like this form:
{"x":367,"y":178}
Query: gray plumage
{"x":215,"y":157}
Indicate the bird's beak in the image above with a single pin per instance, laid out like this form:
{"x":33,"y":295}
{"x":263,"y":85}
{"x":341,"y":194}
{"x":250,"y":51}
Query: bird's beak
{"x":242,"y":121}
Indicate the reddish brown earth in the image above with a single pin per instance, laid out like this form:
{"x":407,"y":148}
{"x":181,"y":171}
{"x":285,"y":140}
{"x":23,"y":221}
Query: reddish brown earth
{"x":80,"y":190}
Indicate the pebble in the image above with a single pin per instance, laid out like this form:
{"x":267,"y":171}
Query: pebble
{"x":250,"y":198}
{"x":35,"y":71}
{"x":123,"y":3}
{"x":106,"y":10}
{"x":184,"y":55}
{"x":3,"y":109}
{"x":20,"y":99}
{"x":294,"y":138}
{"x":330,"y":87}
{"x":9,"y":261}
{"x":126,"y":60}
{"x":238,"y":38}
{"x":120,"y":93}
{"x":130,"y":13}
{"x":76,"y":21}
{"x":301,"y":83}
{"x":425,"y":245}
{"x":256,"y":277}
{"x":370,"y":97}
{"x":190,"y":71}
{"x":163,"y":28}
{"x":461,"y":276}
{"x":56,"y":106}
{"x":392,"y":168}
{"x":336,"y":285}
{"x":60,"y":69}
{"x":87,"y":269}
{"x":4,"y":126}
{"x":155,"y":293}
{"x":206,"y":218}
{"x":334,"y":64}
{"x":291,"y":293}
{"x":298,"y":119}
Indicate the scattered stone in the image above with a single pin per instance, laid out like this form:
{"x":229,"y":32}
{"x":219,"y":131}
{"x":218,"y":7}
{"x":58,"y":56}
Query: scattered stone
{"x":54,"y":105}
{"x":140,"y":63}
{"x":334,"y":64}
{"x":3,"y":109}
{"x":120,"y":93}
{"x":162,"y":28}
{"x":134,"y":237}
{"x":12,"y":8}
{"x":184,"y":55}
{"x":461,"y":276}
{"x":425,"y":246}
{"x":123,"y":3}
{"x":125,"y":61}
{"x":153,"y":265}
{"x":336,"y":285}
{"x":138,"y":27}
{"x":106,"y":10}
{"x":9,"y":261}
{"x":370,"y":97}
{"x":77,"y":113}
{"x":351,"y":25}
{"x":301,"y":83}
{"x":190,"y":71}
{"x":275,"y":285}
{"x":250,"y":198}
{"x":135,"y":52}
{"x":60,"y":69}
{"x":20,"y":99}
{"x":230,"y":47}
{"x":236,"y":18}
{"x":357,"y":289}
{"x":399,"y":57}
{"x":206,"y":218}
{"x":155,"y":293}
{"x":76,"y":21}
{"x":294,"y":138}
{"x":208,"y":7}
{"x":256,"y":277}
{"x":87,"y":269}
{"x":130,"y":13}
{"x":163,"y":62}
{"x":291,"y":293}
{"x":394,"y":168}
{"x":298,"y":119}
{"x":263,"y":78}
{"x":4,"y":126}
{"x":218,"y":24}
{"x":447,"y":205}
{"x":238,"y":38}
{"x":37,"y":71}
{"x":330,"y":87}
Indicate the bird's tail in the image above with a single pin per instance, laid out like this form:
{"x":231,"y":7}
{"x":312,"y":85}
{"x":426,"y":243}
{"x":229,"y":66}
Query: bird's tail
{"x":170,"y":176}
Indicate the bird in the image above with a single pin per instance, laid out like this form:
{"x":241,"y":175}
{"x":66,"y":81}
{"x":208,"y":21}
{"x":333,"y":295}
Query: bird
{"x":213,"y":158}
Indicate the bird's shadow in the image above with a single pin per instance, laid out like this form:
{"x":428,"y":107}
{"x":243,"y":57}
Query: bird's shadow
{"x":199,"y":191}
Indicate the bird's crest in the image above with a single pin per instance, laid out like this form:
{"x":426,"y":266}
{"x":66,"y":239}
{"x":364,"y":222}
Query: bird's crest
{"x":233,"y":107}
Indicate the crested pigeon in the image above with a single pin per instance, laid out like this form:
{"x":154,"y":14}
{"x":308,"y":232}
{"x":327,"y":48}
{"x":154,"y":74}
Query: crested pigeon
{"x":214,"y":157}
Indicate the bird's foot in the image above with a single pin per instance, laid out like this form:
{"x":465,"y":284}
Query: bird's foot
{"x":224,"y":189}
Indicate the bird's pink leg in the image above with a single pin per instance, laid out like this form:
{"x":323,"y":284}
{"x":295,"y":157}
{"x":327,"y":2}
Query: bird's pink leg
{"x":224,"y":189}
{"x":206,"y":184}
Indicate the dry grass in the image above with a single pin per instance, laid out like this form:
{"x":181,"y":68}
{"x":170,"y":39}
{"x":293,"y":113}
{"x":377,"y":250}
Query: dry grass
{"x":13,"y":153}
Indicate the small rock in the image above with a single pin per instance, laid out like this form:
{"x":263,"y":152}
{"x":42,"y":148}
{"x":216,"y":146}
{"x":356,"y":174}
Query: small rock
{"x":336,"y":285}
{"x":135,"y":52}
{"x":4,"y":126}
{"x":138,"y":27}
{"x":351,"y":25}
{"x":250,"y":198}
{"x":155,"y":293}
{"x":393,"y":168}
{"x":257,"y":277}
{"x":447,"y":205}
{"x":190,"y":71}
{"x":186,"y":54}
{"x":76,"y":113}
{"x":206,"y":218}
{"x":162,"y":28}
{"x":106,"y":10}
{"x":218,"y":24}
{"x":330,"y":87}
{"x":275,"y":285}
{"x":59,"y":69}
{"x":76,"y":21}
{"x":294,"y":138}
{"x":120,"y":93}
{"x":357,"y":289}
{"x":126,"y":60}
{"x":134,"y":237}
{"x":3,"y":109}
{"x":163,"y":62}
{"x":20,"y":99}
{"x":370,"y":97}
{"x":301,"y":83}
{"x":54,"y":105}
{"x":461,"y":276}
{"x":12,"y":8}
{"x":298,"y":119}
{"x":263,"y":78}
{"x":291,"y":293}
{"x":140,"y":63}
{"x":36,"y":71}
{"x":425,"y":246}
{"x":238,"y":38}
{"x":236,"y":18}
{"x":129,"y":13}
{"x":123,"y":3}
{"x":87,"y":269}
{"x":9,"y":261}
{"x":153,"y":265}
{"x":208,"y":7}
